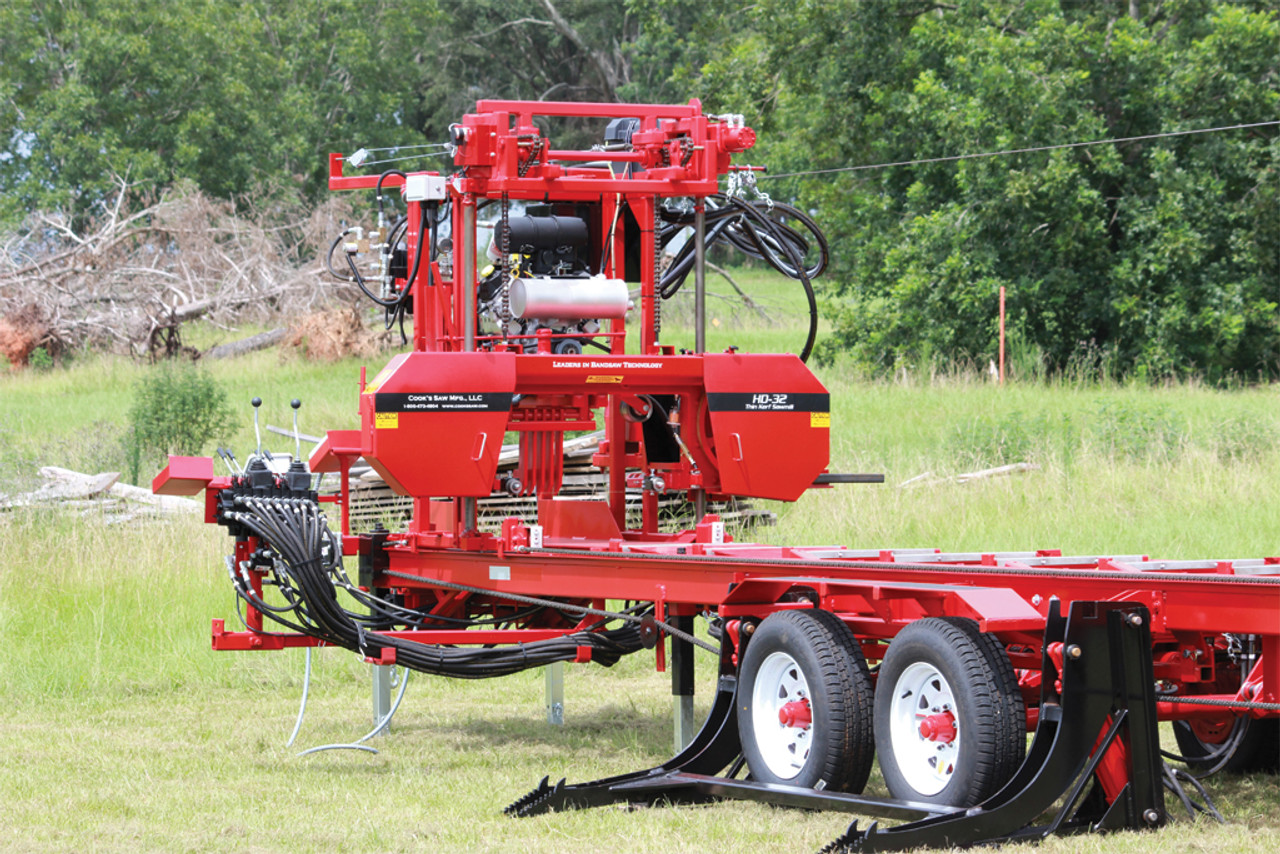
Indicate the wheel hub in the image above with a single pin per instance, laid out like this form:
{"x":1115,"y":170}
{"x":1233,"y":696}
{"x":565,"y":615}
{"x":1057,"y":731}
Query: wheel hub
{"x":796,"y":714}
{"x":940,"y":728}
{"x":925,"y":732}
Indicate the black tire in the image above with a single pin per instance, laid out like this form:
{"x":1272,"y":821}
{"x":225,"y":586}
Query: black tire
{"x":808,"y":658}
{"x":936,"y":674}
{"x":1010,"y":711}
{"x":1253,"y":743}
{"x":1256,"y":740}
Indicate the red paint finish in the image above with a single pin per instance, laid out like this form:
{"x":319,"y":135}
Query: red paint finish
{"x":433,"y":422}
{"x":183,"y":476}
{"x":940,"y":728}
{"x":753,"y":425}
{"x":797,"y":714}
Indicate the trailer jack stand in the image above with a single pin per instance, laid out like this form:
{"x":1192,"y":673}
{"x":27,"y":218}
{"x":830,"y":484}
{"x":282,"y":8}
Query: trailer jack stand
{"x":1100,"y":730}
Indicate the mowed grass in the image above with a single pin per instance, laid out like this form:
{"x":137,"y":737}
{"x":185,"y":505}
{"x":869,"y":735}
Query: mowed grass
{"x":121,"y":730}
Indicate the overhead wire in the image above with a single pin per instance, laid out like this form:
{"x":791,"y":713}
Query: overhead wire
{"x":1007,"y":151}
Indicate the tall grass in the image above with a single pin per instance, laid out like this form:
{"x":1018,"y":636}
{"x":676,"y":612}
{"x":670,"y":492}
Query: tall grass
{"x":122,"y":730}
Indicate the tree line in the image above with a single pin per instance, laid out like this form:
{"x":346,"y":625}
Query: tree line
{"x":1157,"y":256}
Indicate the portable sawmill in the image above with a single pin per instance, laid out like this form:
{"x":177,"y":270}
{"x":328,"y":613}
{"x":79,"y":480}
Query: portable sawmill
{"x":938,"y":664}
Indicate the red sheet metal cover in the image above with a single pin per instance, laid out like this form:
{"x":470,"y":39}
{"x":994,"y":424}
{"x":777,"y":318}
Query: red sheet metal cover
{"x":183,"y":476}
{"x":771,"y":420}
{"x":433,"y":422}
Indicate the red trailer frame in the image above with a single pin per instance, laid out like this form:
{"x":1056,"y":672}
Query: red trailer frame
{"x":713,"y":425}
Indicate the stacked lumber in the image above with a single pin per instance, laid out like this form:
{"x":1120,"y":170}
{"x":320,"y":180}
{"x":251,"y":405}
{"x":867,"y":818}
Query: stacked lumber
{"x":372,"y":500}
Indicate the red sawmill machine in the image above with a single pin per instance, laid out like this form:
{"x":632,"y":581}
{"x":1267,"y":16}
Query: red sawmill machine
{"x":939,"y":664}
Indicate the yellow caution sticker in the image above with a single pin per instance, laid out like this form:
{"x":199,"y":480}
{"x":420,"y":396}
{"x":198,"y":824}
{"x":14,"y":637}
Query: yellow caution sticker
{"x":378,"y":380}
{"x":819,"y":419}
{"x":386,"y":420}
{"x":604,"y":378}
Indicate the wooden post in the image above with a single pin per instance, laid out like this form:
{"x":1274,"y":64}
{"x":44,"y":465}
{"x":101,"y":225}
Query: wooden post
{"x":1002,"y":335}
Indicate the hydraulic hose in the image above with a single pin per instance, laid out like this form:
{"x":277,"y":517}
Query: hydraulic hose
{"x":748,"y":227}
{"x":306,"y":567}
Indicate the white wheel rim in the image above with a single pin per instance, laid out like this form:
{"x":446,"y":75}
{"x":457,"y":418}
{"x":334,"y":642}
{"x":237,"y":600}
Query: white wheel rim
{"x":927,"y":764}
{"x":785,"y":749}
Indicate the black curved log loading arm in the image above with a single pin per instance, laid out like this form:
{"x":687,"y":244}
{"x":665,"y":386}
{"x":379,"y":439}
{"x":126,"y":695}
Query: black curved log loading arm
{"x":1096,"y":749}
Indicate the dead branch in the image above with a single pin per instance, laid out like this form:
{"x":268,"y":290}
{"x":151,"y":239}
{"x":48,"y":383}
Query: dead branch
{"x":130,"y":278}
{"x":746,"y":300}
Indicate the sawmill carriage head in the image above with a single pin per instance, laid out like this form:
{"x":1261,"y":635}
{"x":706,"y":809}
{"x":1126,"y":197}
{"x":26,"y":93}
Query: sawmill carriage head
{"x":535,"y":279}
{"x":546,"y":324}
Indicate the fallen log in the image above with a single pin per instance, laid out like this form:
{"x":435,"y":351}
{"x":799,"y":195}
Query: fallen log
{"x":929,"y":479}
{"x":168,"y":503}
{"x":261,"y":341}
{"x":66,"y":487}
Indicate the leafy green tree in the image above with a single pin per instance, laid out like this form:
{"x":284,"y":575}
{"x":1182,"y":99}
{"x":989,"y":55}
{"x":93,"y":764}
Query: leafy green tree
{"x":1156,"y":256}
{"x":241,"y":96}
{"x":231,"y":95}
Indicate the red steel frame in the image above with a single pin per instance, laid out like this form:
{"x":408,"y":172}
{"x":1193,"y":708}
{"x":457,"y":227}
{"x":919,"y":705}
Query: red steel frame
{"x":586,"y":551}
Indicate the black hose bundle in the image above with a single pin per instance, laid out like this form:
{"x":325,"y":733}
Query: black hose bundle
{"x":306,"y":569}
{"x":759,"y":230}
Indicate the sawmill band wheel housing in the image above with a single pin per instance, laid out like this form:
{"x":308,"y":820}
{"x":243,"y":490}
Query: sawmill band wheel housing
{"x":558,"y":331}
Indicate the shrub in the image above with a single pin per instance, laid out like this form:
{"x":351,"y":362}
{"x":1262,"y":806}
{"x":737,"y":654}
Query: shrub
{"x":40,"y":359}
{"x":177,"y":409}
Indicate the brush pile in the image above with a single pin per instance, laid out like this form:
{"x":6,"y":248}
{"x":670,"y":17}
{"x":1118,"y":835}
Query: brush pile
{"x":127,"y":278}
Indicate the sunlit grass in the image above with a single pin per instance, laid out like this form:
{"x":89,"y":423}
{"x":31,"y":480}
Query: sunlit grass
{"x":121,"y":729}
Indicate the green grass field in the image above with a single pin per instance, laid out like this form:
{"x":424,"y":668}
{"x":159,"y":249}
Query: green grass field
{"x":121,"y":730}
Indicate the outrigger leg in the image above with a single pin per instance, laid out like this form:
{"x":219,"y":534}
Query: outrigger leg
{"x":1096,"y":749}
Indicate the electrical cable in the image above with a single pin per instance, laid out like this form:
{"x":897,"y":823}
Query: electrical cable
{"x":1219,"y":756}
{"x":386,"y":719}
{"x":797,"y":265}
{"x":1173,"y":778}
{"x":579,"y":609}
{"x":359,"y":743}
{"x":366,"y":748}
{"x":749,"y":227}
{"x":1001,"y":153}
{"x":355,"y":276}
{"x":377,"y":189}
{"x":1216,"y":756}
{"x":302,"y":709}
